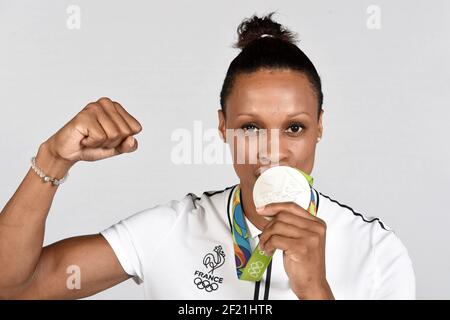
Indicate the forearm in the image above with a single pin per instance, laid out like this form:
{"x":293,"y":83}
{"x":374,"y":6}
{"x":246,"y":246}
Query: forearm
{"x":22,"y":220}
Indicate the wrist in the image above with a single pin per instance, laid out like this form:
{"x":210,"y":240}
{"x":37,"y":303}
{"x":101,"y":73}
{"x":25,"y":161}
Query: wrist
{"x":50,"y":163}
{"x":315,"y":292}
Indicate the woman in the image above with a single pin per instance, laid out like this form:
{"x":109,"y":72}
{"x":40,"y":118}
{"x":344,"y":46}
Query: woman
{"x":188,"y":248}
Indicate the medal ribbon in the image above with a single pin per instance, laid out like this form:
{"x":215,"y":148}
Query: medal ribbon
{"x":251,"y":266}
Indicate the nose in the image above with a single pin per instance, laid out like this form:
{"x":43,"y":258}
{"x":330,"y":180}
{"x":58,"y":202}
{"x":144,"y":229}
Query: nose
{"x":271,"y":150}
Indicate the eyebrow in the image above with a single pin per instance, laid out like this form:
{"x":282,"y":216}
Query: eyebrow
{"x":289,"y":115}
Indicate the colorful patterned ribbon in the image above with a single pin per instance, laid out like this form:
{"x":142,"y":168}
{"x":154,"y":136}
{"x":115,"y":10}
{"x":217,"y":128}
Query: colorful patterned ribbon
{"x":251,"y":266}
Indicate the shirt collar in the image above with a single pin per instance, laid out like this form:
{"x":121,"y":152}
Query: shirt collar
{"x":253,"y":231}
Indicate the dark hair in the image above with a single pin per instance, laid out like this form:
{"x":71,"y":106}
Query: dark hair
{"x":266,"y":44}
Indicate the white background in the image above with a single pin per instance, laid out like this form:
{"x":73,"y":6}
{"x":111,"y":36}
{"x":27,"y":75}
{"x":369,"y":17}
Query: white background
{"x":385,"y":148}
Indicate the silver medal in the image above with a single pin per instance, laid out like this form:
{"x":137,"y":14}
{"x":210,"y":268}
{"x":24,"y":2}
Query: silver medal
{"x":281,"y":184}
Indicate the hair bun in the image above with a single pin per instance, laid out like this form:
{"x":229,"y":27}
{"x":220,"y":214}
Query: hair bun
{"x":256,"y":27}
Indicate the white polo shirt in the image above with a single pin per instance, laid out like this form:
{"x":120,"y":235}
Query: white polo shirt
{"x":184,"y":250}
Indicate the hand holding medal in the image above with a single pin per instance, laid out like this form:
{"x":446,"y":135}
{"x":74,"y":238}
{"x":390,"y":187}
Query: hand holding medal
{"x":284,"y":195}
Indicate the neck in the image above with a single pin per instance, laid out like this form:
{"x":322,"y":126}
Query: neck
{"x":248,"y":206}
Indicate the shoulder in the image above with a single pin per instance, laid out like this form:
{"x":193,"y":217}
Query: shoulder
{"x":357,"y":225}
{"x":353,"y":225}
{"x":337,"y":213}
{"x":214,"y":197}
{"x":158,"y":222}
{"x":374,"y":240}
{"x":166,"y":214}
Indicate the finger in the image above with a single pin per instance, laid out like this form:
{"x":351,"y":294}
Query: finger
{"x":130,"y":144}
{"x":94,"y":133}
{"x":283,"y":229}
{"x":129,"y":119}
{"x":111,"y":111}
{"x":278,"y":242}
{"x":299,"y":222}
{"x":272,"y":209}
{"x":292,"y":248}
{"x":94,"y":154}
{"x":114,"y":135}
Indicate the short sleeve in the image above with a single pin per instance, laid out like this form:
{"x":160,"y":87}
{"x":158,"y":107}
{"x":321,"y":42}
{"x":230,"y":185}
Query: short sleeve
{"x":135,"y":239}
{"x":395,"y":279}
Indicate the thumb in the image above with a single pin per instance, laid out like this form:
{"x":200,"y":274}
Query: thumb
{"x":94,"y":154}
{"x":128,"y":145}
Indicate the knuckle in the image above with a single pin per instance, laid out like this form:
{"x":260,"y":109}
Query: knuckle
{"x":91,"y":106}
{"x":105,"y":100}
{"x":117,"y":106}
{"x":292,"y":205}
{"x":320,"y":221}
{"x":285,"y":216}
{"x":119,"y":109}
{"x":282,"y":215}
{"x":323,"y":228}
{"x":108,"y":106}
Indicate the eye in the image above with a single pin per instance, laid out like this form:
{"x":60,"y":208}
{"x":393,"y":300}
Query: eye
{"x":295,"y":128}
{"x":250,"y":128}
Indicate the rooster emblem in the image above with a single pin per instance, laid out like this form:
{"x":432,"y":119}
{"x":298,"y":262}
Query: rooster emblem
{"x":214,"y":261}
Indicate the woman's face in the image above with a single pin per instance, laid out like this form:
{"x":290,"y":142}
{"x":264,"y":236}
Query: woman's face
{"x":271,"y":99}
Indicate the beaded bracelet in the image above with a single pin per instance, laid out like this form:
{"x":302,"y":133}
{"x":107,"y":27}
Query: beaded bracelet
{"x":44,"y":177}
